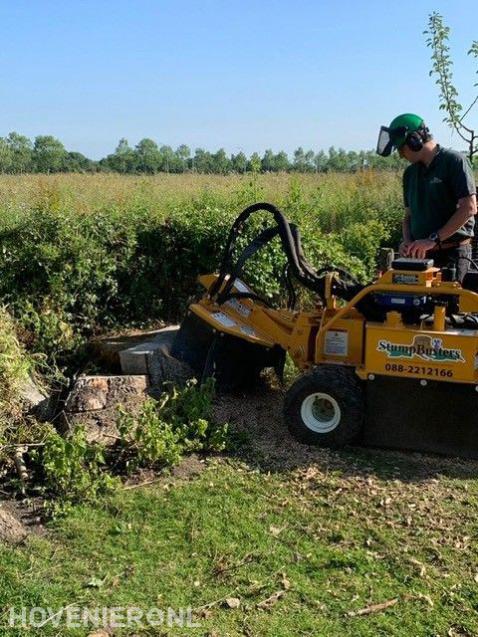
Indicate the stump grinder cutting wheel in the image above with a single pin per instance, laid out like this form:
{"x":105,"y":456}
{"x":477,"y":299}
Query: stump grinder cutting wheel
{"x":393,"y":363}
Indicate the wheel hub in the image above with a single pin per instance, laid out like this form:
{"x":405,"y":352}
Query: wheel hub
{"x":320,"y":412}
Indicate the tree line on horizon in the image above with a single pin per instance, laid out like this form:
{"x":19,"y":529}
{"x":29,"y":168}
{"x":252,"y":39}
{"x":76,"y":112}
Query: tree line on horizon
{"x":46,"y":154}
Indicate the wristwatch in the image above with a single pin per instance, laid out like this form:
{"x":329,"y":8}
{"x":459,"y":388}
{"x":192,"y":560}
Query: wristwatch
{"x":435,"y":237}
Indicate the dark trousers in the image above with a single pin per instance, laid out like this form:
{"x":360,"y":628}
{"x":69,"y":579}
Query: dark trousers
{"x":453,"y":256}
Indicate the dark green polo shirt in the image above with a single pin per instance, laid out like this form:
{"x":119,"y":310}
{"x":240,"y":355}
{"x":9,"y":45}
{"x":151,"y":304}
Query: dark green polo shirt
{"x":432,"y":193}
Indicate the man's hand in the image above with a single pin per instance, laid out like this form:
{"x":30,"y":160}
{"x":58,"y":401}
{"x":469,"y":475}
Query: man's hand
{"x":418,"y":249}
{"x":404,"y":247}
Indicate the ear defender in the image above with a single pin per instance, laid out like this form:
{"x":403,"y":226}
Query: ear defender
{"x":414,"y":140}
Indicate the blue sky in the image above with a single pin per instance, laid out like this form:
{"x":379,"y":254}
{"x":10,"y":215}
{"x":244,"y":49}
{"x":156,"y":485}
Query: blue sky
{"x":239,"y":75}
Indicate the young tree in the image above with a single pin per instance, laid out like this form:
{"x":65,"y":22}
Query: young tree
{"x":6,"y":158}
{"x":183,"y":154}
{"x":77,"y":163}
{"x":254,"y":164}
{"x":267,"y":161}
{"x":303,"y":160}
{"x":300,"y":163}
{"x":170,"y":162}
{"x":148,"y":156}
{"x":281,"y":162}
{"x":442,"y":64}
{"x":123,"y":160}
{"x":48,"y":154}
{"x":202,"y":161}
{"x":309,"y":160}
{"x":353,"y":162}
{"x":275,"y":163}
{"x":321,"y":161}
{"x":221,"y":162}
{"x":21,"y":150}
{"x":239,"y":162}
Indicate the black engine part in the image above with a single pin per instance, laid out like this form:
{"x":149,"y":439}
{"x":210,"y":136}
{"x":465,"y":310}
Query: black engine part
{"x":234,"y":362}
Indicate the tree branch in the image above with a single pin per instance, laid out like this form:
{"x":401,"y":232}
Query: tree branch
{"x":442,"y":67}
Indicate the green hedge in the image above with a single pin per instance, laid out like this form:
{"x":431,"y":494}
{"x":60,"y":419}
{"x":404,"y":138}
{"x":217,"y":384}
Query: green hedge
{"x":67,"y":272}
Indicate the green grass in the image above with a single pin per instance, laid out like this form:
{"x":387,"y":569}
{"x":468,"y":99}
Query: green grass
{"x":334,"y":534}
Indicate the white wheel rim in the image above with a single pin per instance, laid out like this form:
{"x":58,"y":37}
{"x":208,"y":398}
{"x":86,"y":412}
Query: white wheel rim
{"x":320,"y":412}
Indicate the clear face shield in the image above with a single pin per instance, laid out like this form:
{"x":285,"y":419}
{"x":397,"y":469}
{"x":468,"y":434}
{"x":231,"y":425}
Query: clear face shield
{"x":390,"y":138}
{"x":384,"y":143}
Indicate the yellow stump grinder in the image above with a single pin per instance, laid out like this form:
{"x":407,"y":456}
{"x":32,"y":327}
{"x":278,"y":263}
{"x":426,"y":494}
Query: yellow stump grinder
{"x":392,"y":364}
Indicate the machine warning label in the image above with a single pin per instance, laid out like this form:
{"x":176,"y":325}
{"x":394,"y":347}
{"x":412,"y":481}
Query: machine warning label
{"x":222,"y":318}
{"x":336,"y":343}
{"x":240,"y":308}
{"x":245,"y":329}
{"x":241,"y":286}
{"x":423,"y":347}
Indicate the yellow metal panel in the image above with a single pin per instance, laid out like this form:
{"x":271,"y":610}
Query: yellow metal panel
{"x":222,"y":321}
{"x":447,"y":356}
{"x":252,"y":321}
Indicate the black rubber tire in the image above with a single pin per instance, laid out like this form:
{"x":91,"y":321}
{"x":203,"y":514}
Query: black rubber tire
{"x":342,"y":384}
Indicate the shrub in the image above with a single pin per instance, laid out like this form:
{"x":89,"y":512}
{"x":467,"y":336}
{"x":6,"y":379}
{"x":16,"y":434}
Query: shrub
{"x":16,"y":368}
{"x":83,"y":254}
{"x":73,"y":469}
{"x":180,"y":421}
{"x":147,"y":440}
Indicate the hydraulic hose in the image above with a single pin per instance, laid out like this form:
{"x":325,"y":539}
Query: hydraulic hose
{"x":290,"y":242}
{"x":290,"y":238}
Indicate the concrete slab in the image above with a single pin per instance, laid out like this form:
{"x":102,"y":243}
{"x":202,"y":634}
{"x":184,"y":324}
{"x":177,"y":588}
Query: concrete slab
{"x":106,"y":349}
{"x":137,"y":359}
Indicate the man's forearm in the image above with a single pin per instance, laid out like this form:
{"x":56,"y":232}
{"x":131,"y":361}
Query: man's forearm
{"x":456,"y":221}
{"x":466,"y":208}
